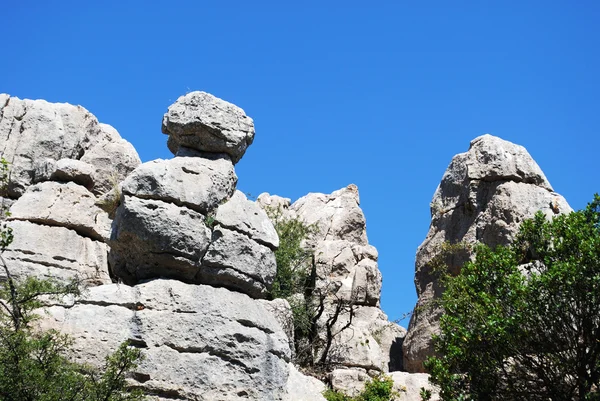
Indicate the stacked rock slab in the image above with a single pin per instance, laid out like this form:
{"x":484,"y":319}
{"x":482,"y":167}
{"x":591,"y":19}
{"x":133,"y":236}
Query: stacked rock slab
{"x":63,"y":163}
{"x":182,"y":225}
{"x":484,"y":196}
{"x":346,"y":271}
{"x":183,"y":218}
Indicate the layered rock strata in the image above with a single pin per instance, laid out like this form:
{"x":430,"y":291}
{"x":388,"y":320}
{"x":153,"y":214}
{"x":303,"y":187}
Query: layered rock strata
{"x":183,"y":218}
{"x":484,"y":196}
{"x":62,"y":163}
{"x":189,"y":255}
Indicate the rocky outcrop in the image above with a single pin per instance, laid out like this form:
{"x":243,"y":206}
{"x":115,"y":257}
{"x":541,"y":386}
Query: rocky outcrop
{"x":206,"y":123}
{"x":54,"y":182}
{"x":484,"y":196}
{"x":33,"y":131}
{"x":183,"y":219}
{"x":199,"y":342}
{"x":406,"y":385}
{"x":347,"y":281}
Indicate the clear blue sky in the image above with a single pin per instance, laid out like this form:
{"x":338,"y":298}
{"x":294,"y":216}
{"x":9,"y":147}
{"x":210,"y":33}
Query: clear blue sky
{"x":380,"y":95}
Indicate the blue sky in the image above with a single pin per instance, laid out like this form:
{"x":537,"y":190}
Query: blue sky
{"x":380,"y":95}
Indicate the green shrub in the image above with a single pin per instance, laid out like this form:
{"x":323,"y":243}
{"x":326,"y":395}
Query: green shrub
{"x":293,"y":260}
{"x":379,"y":388}
{"x":523,"y":322}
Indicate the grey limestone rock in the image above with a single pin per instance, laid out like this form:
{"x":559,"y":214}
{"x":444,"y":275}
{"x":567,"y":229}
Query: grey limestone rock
{"x":152,"y":238}
{"x":348,"y":271}
{"x":303,"y":388}
{"x":204,"y":122}
{"x":408,"y":386}
{"x":33,"y":130}
{"x":240,"y":214}
{"x":484,"y":196}
{"x":112,"y":161}
{"x":64,"y":170}
{"x":56,"y":252}
{"x":236,"y":261}
{"x":349,"y":381}
{"x":65,"y":205}
{"x":282,"y":312}
{"x":197,"y":183}
{"x":199,"y":342}
{"x":337,"y":215}
{"x":347,"y":280}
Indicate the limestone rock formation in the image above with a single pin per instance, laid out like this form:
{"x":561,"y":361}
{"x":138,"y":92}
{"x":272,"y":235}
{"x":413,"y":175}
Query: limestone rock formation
{"x":196,"y":183}
{"x":206,"y":123}
{"x":183,"y":219}
{"x":199,"y":342}
{"x":347,"y":281}
{"x":54,"y":180}
{"x":179,"y":261}
{"x":57,"y":252}
{"x":484,"y":196}
{"x":241,"y":215}
{"x":32,"y":131}
{"x":63,"y":204}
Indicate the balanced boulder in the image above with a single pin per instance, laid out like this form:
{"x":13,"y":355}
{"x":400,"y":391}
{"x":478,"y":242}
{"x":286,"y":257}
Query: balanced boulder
{"x":204,"y":122}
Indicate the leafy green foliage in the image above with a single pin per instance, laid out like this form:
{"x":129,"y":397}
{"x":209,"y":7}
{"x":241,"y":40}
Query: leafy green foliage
{"x":33,"y":363}
{"x":293,"y":260}
{"x":380,"y":388}
{"x":523,"y":322}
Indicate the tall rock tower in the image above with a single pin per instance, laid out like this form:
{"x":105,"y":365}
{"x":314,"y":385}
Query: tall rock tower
{"x":484,"y":196}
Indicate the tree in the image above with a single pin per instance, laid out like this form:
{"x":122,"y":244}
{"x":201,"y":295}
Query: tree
{"x":34,"y":364}
{"x":316,"y":311}
{"x":523,"y":322}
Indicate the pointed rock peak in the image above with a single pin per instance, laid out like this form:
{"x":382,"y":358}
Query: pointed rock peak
{"x":350,"y":191}
{"x":493,"y":159}
{"x":206,"y":123}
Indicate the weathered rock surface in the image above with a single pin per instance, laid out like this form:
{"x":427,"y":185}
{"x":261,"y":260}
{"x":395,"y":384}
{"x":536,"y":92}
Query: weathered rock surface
{"x":65,"y":170}
{"x":235,"y":261}
{"x":240,"y":214}
{"x":409,"y":385}
{"x":349,"y":381}
{"x":55,"y":252}
{"x":348,"y":271}
{"x":197,"y":183}
{"x":204,"y":122}
{"x":364,"y":338}
{"x":152,"y":238}
{"x":338,"y":215}
{"x":64,"y":205}
{"x":199,"y":342}
{"x":112,"y":160}
{"x":34,"y":130}
{"x":282,"y":312}
{"x":484,"y":196}
{"x":347,"y":281}
{"x":303,"y":388}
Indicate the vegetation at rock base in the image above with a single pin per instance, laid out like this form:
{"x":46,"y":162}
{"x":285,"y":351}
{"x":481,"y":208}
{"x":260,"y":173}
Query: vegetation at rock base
{"x":379,"y":388}
{"x":315,"y":315}
{"x":523,"y":322}
{"x":34,"y":363}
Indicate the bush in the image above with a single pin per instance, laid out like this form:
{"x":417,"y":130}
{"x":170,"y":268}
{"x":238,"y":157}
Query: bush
{"x":380,"y":388}
{"x":523,"y":322}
